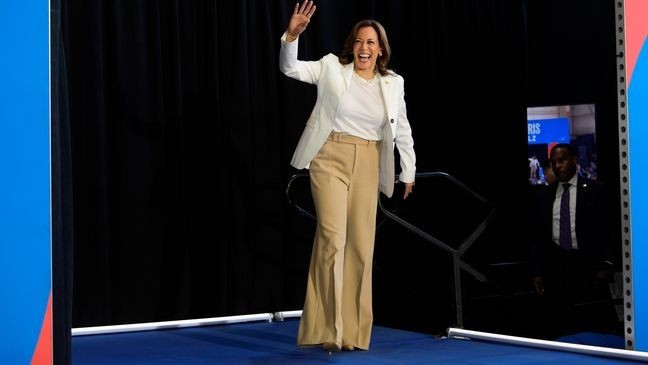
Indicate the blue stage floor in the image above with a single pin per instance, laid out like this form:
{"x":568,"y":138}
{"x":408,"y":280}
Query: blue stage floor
{"x":274,"y":343}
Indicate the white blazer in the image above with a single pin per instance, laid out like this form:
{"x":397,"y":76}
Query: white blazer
{"x":332,"y":80}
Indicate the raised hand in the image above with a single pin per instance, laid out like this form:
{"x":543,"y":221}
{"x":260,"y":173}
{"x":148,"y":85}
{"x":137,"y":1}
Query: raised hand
{"x":300,"y":18}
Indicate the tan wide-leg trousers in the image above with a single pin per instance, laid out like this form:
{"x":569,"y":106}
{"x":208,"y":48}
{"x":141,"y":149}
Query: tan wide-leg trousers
{"x":344,"y":183}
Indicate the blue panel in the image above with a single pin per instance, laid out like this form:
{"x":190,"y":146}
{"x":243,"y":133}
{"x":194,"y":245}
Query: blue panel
{"x":548,"y":130}
{"x":638,"y":155}
{"x":25,"y":258}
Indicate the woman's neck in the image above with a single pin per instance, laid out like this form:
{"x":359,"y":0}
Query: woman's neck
{"x":366,"y":74}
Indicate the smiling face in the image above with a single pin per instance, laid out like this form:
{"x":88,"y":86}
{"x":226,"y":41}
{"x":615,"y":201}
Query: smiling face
{"x":366,"y":49}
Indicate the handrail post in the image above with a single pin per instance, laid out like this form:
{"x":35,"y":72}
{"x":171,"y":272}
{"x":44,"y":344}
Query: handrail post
{"x":457,"y":290}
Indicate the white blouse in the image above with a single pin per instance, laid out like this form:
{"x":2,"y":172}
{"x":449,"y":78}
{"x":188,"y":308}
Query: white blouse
{"x":361,"y":111}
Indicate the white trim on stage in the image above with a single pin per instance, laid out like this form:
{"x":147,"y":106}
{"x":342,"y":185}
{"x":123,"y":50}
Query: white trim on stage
{"x":152,"y":326}
{"x":458,"y":333}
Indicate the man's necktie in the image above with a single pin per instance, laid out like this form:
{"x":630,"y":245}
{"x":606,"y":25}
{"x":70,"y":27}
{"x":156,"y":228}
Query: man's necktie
{"x":565,"y":238}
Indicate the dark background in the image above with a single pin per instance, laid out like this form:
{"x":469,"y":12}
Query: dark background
{"x":181,"y":129}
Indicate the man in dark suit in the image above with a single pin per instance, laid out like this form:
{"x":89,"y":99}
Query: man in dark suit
{"x":571,"y":245}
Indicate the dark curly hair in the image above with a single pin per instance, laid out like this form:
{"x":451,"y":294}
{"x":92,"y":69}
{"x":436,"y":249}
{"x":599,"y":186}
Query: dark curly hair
{"x":346,"y":56}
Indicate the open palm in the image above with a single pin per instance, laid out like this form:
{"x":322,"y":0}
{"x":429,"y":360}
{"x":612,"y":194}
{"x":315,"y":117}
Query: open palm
{"x":300,"y":18}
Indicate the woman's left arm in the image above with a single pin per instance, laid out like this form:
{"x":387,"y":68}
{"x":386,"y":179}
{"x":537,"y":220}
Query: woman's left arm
{"x":405,"y":144}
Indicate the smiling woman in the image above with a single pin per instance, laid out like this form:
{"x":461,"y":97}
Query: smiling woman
{"x":348,"y":145}
{"x":368,"y":48}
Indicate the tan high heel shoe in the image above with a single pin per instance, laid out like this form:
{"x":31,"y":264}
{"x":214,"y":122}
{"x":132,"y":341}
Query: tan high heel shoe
{"x":331,"y":347}
{"x":347,"y":347}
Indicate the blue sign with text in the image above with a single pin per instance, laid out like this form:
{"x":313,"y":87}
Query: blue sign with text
{"x":548,"y":130}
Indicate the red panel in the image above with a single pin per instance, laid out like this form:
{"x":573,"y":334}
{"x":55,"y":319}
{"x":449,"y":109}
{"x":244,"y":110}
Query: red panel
{"x":43,"y":352}
{"x":635,"y":32}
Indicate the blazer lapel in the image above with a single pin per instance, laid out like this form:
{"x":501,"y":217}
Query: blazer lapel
{"x":386,"y":89}
{"x":347,"y":73}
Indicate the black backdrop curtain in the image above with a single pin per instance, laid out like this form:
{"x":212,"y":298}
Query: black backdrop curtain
{"x":182,"y":128}
{"x":62,"y":195}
